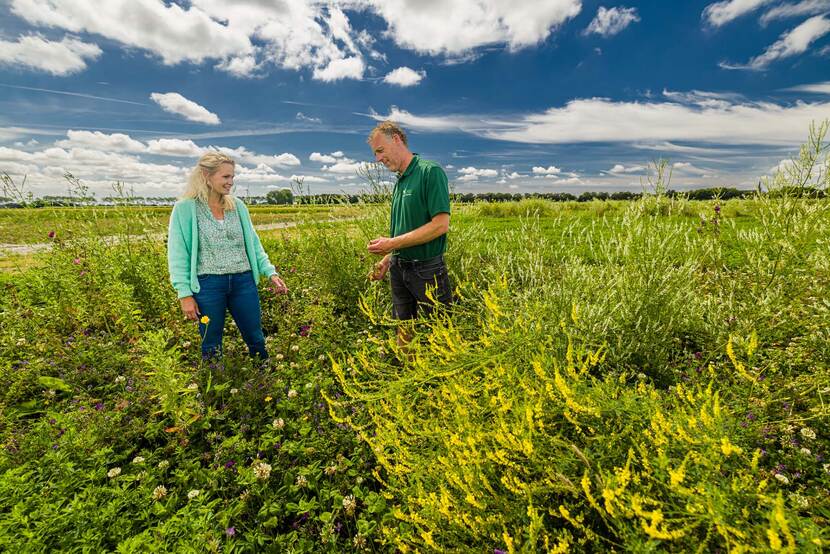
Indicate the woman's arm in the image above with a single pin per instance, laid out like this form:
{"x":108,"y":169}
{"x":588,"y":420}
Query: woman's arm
{"x":178,"y":257}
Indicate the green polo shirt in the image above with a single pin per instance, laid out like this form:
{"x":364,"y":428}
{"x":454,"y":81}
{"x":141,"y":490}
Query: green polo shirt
{"x":421,"y":193}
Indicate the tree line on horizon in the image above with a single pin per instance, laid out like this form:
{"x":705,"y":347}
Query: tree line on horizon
{"x":287,"y":197}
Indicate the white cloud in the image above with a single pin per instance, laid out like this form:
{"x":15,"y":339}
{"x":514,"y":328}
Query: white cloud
{"x":404,"y":77}
{"x":689,"y":168}
{"x":240,"y":66}
{"x":781,"y":167}
{"x":610,"y":21}
{"x":344,"y":166}
{"x":309,"y":179}
{"x":457,"y":27}
{"x":244,"y":38}
{"x":173,"y":33}
{"x":601,"y":120}
{"x":175,"y":147}
{"x":244,"y":155}
{"x":342,"y":68}
{"x":512,"y":176}
{"x":430,"y":123}
{"x":805,"y":7}
{"x":473,"y":173}
{"x":98,"y":169}
{"x":816,"y":88}
{"x":721,"y":13}
{"x":790,"y":44}
{"x":621,"y":169}
{"x":303,"y":117}
{"x":653,"y":125}
{"x":175,"y":103}
{"x":326,"y":158}
{"x":58,"y":58}
{"x":116,"y":142}
{"x":568,"y":181}
{"x":551,"y":170}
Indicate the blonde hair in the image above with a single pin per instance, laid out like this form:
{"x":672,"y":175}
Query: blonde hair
{"x":388,"y":128}
{"x":197,"y":183}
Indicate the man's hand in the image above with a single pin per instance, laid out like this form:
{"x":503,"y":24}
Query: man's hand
{"x":381,"y":245}
{"x":380,"y":269}
{"x":277,"y":285}
{"x":190,"y":308}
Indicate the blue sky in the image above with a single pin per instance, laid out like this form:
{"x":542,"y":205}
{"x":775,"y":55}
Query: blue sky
{"x":537,"y":95}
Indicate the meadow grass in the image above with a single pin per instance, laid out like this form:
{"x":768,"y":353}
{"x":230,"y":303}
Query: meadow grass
{"x":32,"y":225}
{"x":621,"y":377}
{"x":646,"y":376}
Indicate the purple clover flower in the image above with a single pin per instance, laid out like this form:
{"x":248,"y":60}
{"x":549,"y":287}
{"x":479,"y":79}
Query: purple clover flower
{"x":230,"y":531}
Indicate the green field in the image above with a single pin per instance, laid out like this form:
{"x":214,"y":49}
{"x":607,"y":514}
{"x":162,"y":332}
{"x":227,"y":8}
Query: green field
{"x":614,"y":376}
{"x":32,"y":225}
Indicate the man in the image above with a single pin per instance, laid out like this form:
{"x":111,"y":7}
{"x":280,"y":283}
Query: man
{"x":414,"y":253}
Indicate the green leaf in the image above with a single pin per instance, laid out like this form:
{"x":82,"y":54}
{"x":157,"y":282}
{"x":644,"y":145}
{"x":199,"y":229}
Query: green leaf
{"x":53,"y":383}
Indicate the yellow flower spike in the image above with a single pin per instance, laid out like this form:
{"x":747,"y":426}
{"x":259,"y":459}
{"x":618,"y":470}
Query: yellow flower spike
{"x":753,"y":344}
{"x":728,"y":448}
{"x":205,"y":320}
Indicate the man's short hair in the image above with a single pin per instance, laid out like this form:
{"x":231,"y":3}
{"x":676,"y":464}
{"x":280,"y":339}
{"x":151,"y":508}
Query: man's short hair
{"x":390,"y":129}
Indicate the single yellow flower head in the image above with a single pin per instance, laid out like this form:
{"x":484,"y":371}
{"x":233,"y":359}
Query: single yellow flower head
{"x":205,"y":319}
{"x":268,"y":399}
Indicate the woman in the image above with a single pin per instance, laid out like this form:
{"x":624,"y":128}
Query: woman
{"x":215,"y":257}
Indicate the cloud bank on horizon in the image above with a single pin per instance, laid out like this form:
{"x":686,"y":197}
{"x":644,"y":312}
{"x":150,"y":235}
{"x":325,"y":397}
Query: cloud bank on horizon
{"x":543,"y":93}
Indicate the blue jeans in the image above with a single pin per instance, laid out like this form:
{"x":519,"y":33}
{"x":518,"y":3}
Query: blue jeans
{"x":238,"y":293}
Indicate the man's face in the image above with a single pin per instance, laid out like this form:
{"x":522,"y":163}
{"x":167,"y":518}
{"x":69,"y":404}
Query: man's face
{"x":388,"y":151}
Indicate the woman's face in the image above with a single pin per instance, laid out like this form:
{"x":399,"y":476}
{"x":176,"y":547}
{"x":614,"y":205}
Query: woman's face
{"x":221,"y":180}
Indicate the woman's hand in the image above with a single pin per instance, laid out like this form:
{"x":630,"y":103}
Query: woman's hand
{"x":277,"y":285}
{"x":190,"y":308}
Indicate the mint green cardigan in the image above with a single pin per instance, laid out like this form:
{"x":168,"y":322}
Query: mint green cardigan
{"x":183,"y":247}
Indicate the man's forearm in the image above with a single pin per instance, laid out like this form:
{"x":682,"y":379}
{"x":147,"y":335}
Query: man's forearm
{"x":422,"y":234}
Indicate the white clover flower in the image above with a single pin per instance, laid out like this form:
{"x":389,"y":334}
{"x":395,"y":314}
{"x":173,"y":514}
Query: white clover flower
{"x":808,"y":433}
{"x":359,"y":541}
{"x":349,"y":504}
{"x":292,"y":393}
{"x":279,"y":357}
{"x":193,"y":494}
{"x":805,"y":451}
{"x":114,"y":472}
{"x":278,"y":423}
{"x":309,"y":385}
{"x":120,"y":379}
{"x":234,"y":390}
{"x":331,"y":470}
{"x":321,"y":358}
{"x":21,"y":342}
{"x":138,"y":460}
{"x":295,"y":347}
{"x":163,"y":464}
{"x":799,"y":500}
{"x":359,"y":480}
{"x":293,"y":365}
{"x":192,"y":386}
{"x":301,"y":481}
{"x":186,"y":344}
{"x":826,"y":467}
{"x":159,"y":492}
{"x":262,"y":470}
{"x":782,"y":478}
